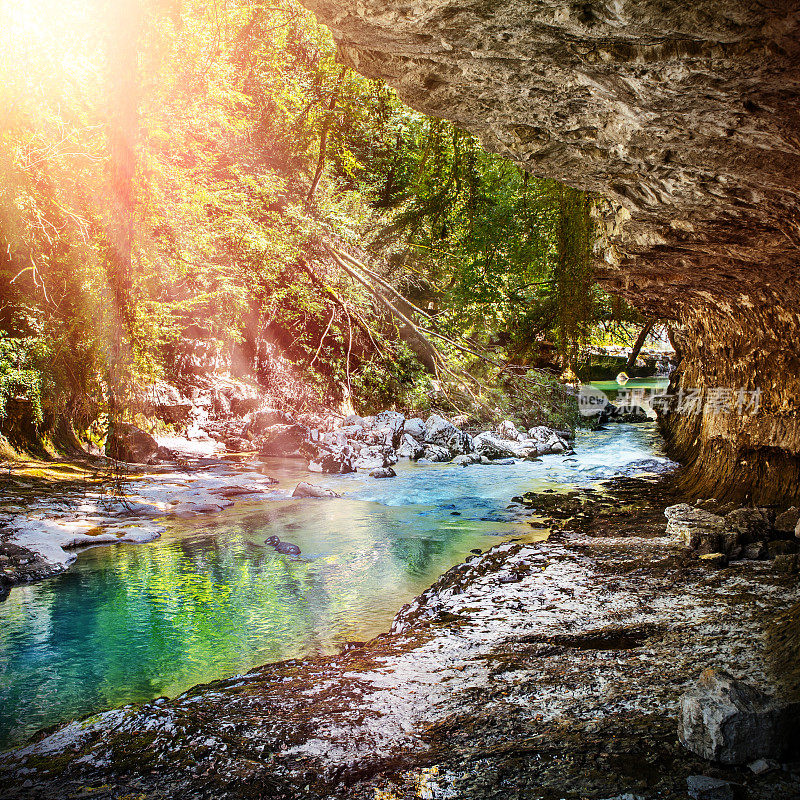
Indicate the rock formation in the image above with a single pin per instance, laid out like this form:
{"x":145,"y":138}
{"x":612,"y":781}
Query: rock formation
{"x":685,"y":118}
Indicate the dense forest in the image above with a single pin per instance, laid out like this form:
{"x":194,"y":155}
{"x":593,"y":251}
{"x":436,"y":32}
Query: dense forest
{"x":189,"y":188}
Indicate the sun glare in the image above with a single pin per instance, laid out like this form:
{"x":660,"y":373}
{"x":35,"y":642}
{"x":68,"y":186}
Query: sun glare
{"x":54,"y":40}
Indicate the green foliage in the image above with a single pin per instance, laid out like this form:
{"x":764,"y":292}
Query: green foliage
{"x":193,"y":241}
{"x":19,"y":373}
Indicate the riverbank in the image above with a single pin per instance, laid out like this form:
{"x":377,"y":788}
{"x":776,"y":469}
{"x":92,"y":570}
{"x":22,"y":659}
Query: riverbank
{"x":532,"y":670}
{"x":209,"y":599}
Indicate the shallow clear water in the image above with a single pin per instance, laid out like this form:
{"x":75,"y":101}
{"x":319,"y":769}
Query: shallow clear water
{"x":208,"y":600}
{"x":612,"y":388}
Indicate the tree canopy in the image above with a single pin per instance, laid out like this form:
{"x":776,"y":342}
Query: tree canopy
{"x":174,"y":176}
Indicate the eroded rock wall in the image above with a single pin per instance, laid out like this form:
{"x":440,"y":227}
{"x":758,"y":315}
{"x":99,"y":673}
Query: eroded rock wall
{"x":685,"y":116}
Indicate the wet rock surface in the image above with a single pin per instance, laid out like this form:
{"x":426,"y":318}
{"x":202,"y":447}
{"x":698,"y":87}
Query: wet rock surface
{"x":533,"y":670}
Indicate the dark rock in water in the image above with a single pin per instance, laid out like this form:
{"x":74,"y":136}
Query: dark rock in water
{"x":383,"y":472}
{"x":284,"y":440}
{"x":723,"y":719}
{"x":287,"y":548}
{"x":126,"y":442}
{"x":702,"y":787}
{"x":763,"y":765}
{"x":304,"y":489}
{"x":476,"y":550}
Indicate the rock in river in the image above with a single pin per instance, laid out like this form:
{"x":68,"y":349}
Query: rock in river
{"x":383,"y":472}
{"x":304,"y":489}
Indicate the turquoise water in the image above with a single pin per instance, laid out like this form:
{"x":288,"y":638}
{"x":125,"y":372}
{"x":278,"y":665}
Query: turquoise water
{"x":208,"y":600}
{"x":612,"y":388}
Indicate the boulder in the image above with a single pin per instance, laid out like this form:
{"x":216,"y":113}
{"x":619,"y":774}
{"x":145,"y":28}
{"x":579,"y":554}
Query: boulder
{"x":726,"y":720}
{"x":410,"y":448}
{"x":703,"y":787}
{"x":547,"y":440}
{"x":415,"y":427}
{"x":305,"y":489}
{"x":508,"y":430}
{"x":467,"y":459}
{"x":389,"y":425}
{"x":781,"y":547}
{"x":353,"y":419}
{"x":755,"y":551}
{"x":788,"y":564}
{"x":375,"y":457}
{"x":264,"y":419}
{"x":236,"y":444}
{"x":694,"y":527}
{"x":490,"y":445}
{"x":383,"y":472}
{"x":165,"y":454}
{"x":284,"y":440}
{"x":126,"y":442}
{"x":241,"y":405}
{"x":747,"y":525}
{"x":435,"y":452}
{"x":442,"y":433}
{"x":337,"y":461}
{"x":787,"y":521}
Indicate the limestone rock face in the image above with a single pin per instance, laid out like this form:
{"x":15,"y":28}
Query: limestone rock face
{"x":685,"y":118}
{"x":722,"y":719}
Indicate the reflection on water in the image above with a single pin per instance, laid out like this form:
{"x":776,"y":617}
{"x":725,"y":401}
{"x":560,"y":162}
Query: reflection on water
{"x":208,"y":600}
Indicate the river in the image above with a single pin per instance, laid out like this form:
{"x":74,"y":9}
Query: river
{"x":129,"y":623}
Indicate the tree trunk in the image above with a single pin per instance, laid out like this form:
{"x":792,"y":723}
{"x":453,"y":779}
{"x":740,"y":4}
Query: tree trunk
{"x":323,"y":139}
{"x":638,"y":344}
{"x":124,"y":27}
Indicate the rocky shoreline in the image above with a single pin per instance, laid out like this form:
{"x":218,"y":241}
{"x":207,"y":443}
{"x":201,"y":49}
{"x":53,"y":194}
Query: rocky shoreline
{"x":147,"y":482}
{"x":532,"y":670}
